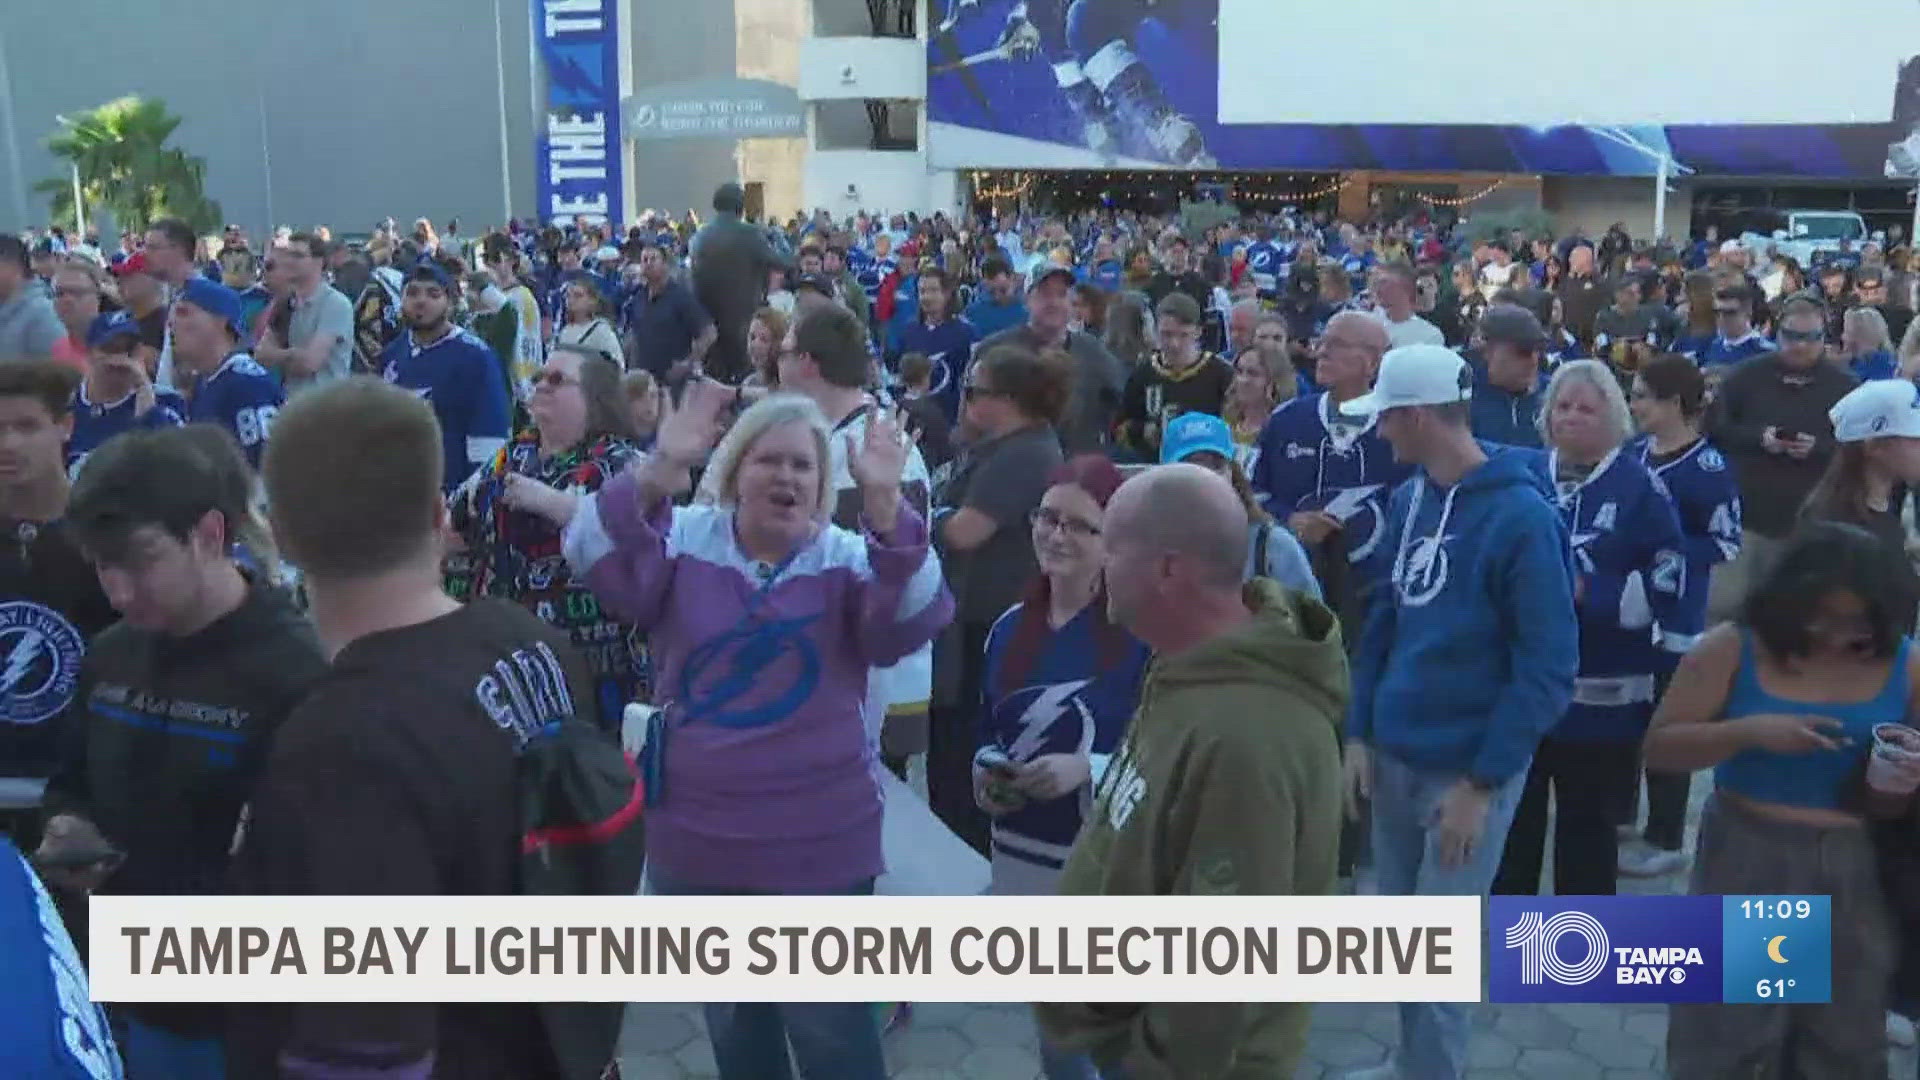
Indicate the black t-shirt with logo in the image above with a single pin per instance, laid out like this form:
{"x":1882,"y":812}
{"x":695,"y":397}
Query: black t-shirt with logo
{"x":397,"y":777}
{"x":51,"y":606}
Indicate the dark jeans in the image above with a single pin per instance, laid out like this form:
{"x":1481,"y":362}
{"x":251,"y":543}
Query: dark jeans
{"x":830,"y":1040}
{"x":1667,"y":794}
{"x":1586,"y":780}
{"x":953,"y":734}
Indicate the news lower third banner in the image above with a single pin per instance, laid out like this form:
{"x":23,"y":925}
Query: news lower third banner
{"x":784,"y":948}
{"x":1639,"y":949}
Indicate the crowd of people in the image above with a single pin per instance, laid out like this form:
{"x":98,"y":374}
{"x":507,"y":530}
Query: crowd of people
{"x":1293,"y":556}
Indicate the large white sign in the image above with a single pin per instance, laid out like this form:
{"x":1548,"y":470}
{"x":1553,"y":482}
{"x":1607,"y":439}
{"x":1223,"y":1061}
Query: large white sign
{"x":785,"y":948}
{"x":1541,"y":63}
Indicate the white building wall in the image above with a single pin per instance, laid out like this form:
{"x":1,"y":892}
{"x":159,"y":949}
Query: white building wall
{"x":840,"y":68}
{"x":840,"y":64}
{"x":848,"y":181}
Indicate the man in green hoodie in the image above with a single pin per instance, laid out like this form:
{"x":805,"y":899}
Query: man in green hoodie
{"x":1228,"y":782}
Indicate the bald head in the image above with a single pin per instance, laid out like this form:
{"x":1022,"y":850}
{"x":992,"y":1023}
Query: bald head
{"x":1361,"y":329}
{"x":1183,"y":510}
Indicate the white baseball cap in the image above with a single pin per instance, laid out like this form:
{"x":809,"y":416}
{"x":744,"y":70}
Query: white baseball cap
{"x":1415,"y":375}
{"x":1877,"y":409}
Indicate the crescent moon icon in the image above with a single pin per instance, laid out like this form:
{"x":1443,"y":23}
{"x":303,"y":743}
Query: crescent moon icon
{"x":1773,"y":949}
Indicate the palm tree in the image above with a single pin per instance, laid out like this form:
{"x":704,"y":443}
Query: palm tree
{"x":126,"y":167}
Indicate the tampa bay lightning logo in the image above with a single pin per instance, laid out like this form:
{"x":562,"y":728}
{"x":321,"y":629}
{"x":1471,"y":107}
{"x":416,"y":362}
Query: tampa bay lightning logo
{"x":941,"y":376}
{"x":40,"y":654}
{"x":1711,"y":461}
{"x":1422,"y":572}
{"x":756,"y":674}
{"x":1360,"y":514}
{"x":1052,"y":719}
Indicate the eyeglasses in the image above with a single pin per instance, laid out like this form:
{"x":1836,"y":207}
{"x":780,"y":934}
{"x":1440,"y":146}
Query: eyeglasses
{"x":1053,"y":519}
{"x":554,"y":380}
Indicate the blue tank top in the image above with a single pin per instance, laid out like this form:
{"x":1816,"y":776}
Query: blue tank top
{"x":1814,"y":780}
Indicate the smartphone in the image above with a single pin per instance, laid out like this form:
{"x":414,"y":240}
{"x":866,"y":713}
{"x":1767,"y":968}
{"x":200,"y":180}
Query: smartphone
{"x":995,"y":760}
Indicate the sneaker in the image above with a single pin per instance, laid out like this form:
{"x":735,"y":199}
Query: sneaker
{"x":1644,"y":861}
{"x":1899,"y":1030}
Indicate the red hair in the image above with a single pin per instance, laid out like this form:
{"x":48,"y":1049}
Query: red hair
{"x":1100,"y":478}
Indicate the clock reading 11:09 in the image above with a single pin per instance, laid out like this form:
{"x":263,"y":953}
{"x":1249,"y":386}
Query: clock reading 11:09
{"x":1776,"y":909}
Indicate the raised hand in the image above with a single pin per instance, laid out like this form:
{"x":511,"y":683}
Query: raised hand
{"x":689,"y":430}
{"x":876,"y":465}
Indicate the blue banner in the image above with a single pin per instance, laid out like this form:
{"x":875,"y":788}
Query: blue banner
{"x":577,"y":149}
{"x":1090,"y":84}
{"x":1645,"y":949}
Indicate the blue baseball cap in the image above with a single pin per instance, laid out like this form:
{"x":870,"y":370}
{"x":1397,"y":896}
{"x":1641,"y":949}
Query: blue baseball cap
{"x":109,"y":325}
{"x":215,"y":299}
{"x":429,"y":270}
{"x":1190,"y":433}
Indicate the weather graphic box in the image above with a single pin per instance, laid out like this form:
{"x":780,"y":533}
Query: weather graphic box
{"x":1642,"y":949}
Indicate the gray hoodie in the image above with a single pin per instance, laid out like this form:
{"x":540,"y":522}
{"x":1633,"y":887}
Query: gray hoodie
{"x":28,"y":326}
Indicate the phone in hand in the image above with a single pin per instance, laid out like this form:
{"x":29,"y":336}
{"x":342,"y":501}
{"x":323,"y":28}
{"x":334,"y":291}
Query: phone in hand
{"x":995,"y":761}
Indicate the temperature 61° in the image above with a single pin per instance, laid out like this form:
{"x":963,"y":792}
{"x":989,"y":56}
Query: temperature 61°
{"x":1772,"y":988}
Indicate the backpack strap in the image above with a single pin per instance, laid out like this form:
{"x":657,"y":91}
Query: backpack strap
{"x":1260,"y":550}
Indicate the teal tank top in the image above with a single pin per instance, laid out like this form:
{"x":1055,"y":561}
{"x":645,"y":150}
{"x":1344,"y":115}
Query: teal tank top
{"x":1816,"y":780}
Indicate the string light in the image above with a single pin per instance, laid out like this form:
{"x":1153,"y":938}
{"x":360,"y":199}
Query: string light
{"x":1021,"y":183}
{"x":1465,"y":199}
{"x":989,"y":185}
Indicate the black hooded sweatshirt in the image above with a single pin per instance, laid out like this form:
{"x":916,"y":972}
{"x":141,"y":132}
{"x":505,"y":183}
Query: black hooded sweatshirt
{"x":166,"y":740}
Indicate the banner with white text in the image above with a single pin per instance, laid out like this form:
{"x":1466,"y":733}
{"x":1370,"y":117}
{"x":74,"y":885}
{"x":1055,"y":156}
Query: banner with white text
{"x":577,"y":132}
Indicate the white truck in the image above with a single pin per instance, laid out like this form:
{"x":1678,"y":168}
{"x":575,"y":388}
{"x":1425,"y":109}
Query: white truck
{"x":1808,"y":237}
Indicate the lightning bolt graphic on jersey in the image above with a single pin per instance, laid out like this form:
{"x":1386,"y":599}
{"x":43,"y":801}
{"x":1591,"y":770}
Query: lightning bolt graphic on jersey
{"x":1053,"y":705}
{"x":21,"y":658}
{"x":1580,"y":542}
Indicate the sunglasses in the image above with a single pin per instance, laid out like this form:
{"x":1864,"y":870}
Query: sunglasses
{"x":1802,"y":335}
{"x":1052,"y":519}
{"x":554,"y":380}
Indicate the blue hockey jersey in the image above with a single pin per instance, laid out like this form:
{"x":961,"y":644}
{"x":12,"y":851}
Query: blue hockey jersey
{"x":1560,"y":349}
{"x":1311,"y":460}
{"x":1067,"y":704}
{"x":1723,"y":353}
{"x":95,"y":422}
{"x":1701,"y":483}
{"x":871,"y":272}
{"x":242,"y":397}
{"x":49,"y":1029}
{"x":1269,"y":264}
{"x":1631,"y":574}
{"x":950,"y":346}
{"x":459,"y":376}
{"x":1692,"y":346}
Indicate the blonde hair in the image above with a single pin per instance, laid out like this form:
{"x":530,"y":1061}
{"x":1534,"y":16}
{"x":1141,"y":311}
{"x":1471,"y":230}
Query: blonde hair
{"x":775,"y":410}
{"x":1282,"y":385}
{"x":1593,"y":373}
